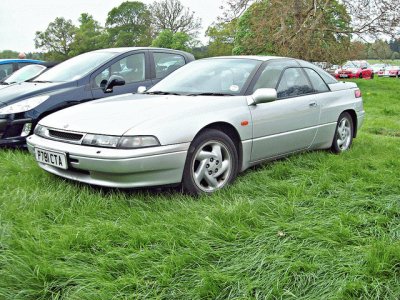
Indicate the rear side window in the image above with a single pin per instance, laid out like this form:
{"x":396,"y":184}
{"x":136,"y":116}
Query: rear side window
{"x":293,"y":83}
{"x":166,"y":63}
{"x":316,"y":81}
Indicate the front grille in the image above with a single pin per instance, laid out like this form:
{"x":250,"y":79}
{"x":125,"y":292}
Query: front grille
{"x":62,"y":135}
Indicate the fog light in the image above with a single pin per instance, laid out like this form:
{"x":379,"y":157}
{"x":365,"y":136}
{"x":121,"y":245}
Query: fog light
{"x":26,"y":130}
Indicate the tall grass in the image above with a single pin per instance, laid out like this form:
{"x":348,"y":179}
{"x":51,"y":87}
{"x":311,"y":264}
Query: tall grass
{"x":312,"y":226}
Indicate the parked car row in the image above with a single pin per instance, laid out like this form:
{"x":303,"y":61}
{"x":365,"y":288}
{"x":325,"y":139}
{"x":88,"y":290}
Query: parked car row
{"x":205,"y":122}
{"x":390,"y":71}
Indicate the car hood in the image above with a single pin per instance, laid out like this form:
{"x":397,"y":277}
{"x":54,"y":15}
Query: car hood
{"x":24,"y":90}
{"x":139,"y":114}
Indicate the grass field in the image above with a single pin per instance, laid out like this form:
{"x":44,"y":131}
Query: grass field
{"x":393,"y":62}
{"x":313,"y":226}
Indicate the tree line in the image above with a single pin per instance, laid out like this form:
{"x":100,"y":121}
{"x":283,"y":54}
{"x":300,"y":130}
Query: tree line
{"x":315,"y":30}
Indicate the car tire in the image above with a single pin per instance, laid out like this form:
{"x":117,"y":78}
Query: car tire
{"x":372,"y":75}
{"x":360,"y":76}
{"x":211,"y":163}
{"x":343,"y":137}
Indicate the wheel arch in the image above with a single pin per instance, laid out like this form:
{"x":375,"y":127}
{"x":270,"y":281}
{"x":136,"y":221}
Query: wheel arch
{"x":230,"y":131}
{"x":353,"y":115}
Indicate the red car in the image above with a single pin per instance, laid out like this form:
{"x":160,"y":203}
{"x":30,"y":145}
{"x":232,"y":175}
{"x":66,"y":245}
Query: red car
{"x":394,"y":71}
{"x":355,"y":69}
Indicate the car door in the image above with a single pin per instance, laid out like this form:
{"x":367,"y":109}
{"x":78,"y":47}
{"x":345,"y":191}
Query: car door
{"x":164,"y":63}
{"x":288,"y":124}
{"x":133,"y":68}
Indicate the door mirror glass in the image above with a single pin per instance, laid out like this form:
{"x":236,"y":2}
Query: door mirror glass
{"x":114,"y":80}
{"x":141,"y":89}
{"x":264,"y":95}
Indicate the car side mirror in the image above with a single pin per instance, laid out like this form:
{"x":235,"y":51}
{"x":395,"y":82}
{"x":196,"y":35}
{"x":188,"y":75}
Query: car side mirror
{"x":264,"y":96}
{"x":141,"y":89}
{"x":114,"y":80}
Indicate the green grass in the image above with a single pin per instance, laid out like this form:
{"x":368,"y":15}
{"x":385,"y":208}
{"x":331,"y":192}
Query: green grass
{"x":313,"y":226}
{"x":393,"y":62}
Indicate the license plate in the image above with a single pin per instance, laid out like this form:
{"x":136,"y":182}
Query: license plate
{"x":343,"y":75}
{"x":56,"y":159}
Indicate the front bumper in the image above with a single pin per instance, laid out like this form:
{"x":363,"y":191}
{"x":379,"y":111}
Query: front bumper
{"x":119,"y":168}
{"x":10,"y":131}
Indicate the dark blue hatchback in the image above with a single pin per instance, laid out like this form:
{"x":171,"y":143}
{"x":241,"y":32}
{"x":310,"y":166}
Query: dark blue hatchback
{"x":86,"y":77}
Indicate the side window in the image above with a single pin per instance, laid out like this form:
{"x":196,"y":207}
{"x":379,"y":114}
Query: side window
{"x":166,"y":63}
{"x":317,"y":82}
{"x":271,"y":74}
{"x":131,"y":68}
{"x":293,"y":83}
{"x":20,"y":65}
{"x":5,"y":70}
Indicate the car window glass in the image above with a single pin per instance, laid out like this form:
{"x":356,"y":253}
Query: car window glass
{"x":271,"y":74}
{"x":5,"y":70}
{"x":293,"y":83}
{"x":130,"y":68}
{"x":317,"y":82}
{"x":20,"y":65}
{"x":166,"y":63}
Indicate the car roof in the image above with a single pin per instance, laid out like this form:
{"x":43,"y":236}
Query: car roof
{"x":17,"y":60}
{"x":126,"y":49}
{"x":255,"y":57}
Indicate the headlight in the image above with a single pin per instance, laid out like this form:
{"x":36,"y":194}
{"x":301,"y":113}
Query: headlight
{"x":132,"y":142}
{"x":23,"y":105}
{"x":101,"y":140}
{"x":125,"y":142}
{"x":40,"y":131}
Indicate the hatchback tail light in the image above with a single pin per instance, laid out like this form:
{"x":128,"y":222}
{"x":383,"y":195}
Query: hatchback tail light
{"x":357,"y":93}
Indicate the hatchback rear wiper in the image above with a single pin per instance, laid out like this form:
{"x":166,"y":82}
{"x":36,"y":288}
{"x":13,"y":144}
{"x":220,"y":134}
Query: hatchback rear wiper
{"x":210,"y":94}
{"x":161,"y":93}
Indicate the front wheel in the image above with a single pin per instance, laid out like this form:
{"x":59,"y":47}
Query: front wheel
{"x":343,"y":137}
{"x":211,"y":164}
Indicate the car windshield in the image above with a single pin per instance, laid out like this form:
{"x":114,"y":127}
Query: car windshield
{"x":351,"y":64}
{"x":75,"y":68}
{"x":221,"y":76}
{"x":25,"y":73}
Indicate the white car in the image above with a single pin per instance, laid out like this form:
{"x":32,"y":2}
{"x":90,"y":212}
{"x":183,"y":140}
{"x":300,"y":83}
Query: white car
{"x":201,"y":125}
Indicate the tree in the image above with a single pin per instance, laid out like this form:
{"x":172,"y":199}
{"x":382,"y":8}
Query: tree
{"x":222,"y":36}
{"x":129,"y":25}
{"x":88,"y":36}
{"x":56,"y":39}
{"x":368,"y":17}
{"x":8,"y":54}
{"x":309,"y":29}
{"x":172,"y":15}
{"x":380,"y":50}
{"x":169,"y":39}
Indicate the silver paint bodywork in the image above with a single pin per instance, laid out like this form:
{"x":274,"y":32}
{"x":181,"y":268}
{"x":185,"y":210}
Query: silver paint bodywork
{"x":274,"y":129}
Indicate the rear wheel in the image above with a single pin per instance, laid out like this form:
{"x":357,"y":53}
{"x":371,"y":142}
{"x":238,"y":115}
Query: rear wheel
{"x":360,"y":76}
{"x":211,"y":164}
{"x":343,"y":137}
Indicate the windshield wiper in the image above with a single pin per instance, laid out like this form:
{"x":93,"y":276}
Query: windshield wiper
{"x":210,"y":94}
{"x":161,"y":93}
{"x":4,"y":83}
{"x":40,"y":81}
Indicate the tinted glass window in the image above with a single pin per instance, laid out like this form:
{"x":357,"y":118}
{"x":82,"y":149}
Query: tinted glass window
{"x":271,"y":74}
{"x":293,"y":83}
{"x":5,"y":70}
{"x":166,"y":63}
{"x":317,"y":82}
{"x":131,"y":68}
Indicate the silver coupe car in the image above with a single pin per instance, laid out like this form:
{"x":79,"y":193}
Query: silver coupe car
{"x":202,"y":125}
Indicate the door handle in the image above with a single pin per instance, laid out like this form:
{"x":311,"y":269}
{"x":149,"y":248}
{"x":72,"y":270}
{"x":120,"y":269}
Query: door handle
{"x":313,"y":104}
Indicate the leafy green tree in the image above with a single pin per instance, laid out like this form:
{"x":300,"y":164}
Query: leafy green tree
{"x":222,"y":37}
{"x":129,"y":25}
{"x":56,"y":39}
{"x":88,"y":36}
{"x":311,"y":29}
{"x":168,"y":39}
{"x":8,"y":54}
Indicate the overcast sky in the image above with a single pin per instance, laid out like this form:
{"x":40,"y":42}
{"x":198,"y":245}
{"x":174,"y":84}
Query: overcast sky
{"x":20,"y":19}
